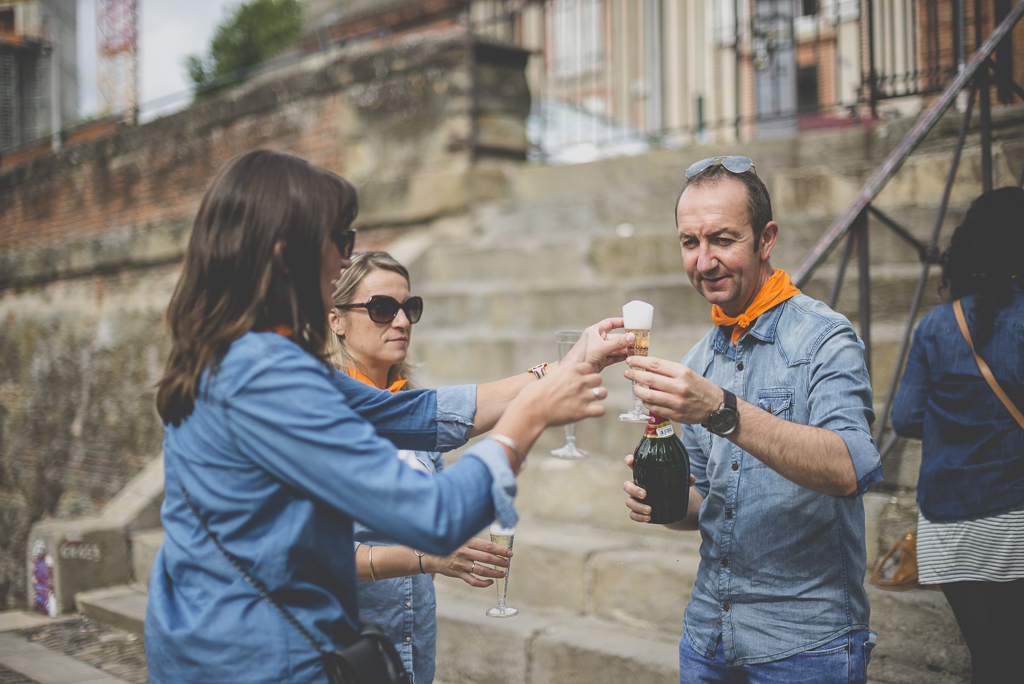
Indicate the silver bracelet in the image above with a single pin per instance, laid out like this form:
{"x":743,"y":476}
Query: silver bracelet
{"x":517,"y":450}
{"x":369,"y":550}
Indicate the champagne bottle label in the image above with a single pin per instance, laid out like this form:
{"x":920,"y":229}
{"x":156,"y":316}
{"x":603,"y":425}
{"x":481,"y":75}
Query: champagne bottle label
{"x":658,"y":428}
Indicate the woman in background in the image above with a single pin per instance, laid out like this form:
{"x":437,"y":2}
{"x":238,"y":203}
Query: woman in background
{"x":372,"y":324}
{"x":971,"y":486}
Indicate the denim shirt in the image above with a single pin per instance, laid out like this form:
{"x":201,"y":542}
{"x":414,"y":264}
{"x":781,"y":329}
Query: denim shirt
{"x":972,"y":460}
{"x":782,"y":567}
{"x":280,"y":455}
{"x":405,"y":607}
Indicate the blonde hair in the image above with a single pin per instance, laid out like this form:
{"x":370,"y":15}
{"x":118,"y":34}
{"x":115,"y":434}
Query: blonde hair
{"x":363,"y":264}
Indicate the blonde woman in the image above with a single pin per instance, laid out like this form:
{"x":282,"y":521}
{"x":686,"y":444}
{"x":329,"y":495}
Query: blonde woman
{"x":372,"y":323}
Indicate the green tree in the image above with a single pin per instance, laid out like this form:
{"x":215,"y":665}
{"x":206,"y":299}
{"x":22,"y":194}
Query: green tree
{"x":255,"y":32}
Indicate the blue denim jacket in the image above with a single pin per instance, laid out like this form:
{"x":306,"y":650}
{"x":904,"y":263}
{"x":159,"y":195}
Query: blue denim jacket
{"x":405,"y":607}
{"x":782,"y":567}
{"x":280,"y":455}
{"x":972,"y":460}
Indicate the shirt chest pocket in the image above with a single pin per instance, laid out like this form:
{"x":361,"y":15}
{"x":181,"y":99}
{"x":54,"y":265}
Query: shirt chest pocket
{"x":777,"y":401}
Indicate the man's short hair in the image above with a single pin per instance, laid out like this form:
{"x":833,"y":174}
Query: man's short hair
{"x":759,"y":203}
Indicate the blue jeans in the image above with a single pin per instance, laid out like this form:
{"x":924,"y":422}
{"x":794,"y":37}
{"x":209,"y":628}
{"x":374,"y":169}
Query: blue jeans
{"x":841,"y":661}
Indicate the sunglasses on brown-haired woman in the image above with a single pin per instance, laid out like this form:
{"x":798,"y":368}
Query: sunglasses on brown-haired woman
{"x":345,"y":241}
{"x":384,"y":309}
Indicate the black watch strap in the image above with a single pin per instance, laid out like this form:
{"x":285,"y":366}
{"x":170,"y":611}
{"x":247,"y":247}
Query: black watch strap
{"x":730,"y":401}
{"x":724,"y":420}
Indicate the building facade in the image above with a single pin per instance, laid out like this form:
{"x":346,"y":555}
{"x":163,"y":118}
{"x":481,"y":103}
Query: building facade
{"x":38,"y":69}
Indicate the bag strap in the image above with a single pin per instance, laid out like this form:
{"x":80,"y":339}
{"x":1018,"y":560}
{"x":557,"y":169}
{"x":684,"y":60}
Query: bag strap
{"x":255,"y":582}
{"x":983,"y":367}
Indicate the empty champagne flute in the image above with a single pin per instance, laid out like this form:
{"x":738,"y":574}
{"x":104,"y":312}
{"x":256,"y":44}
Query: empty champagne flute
{"x":503,"y":536}
{"x":637,"y":318}
{"x":564,"y":341}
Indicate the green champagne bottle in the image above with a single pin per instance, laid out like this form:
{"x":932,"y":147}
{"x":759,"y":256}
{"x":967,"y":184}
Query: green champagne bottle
{"x":662,"y":468}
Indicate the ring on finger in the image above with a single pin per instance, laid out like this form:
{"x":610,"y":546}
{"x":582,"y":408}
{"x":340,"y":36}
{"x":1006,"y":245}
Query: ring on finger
{"x":473,"y":569}
{"x":597,"y":392}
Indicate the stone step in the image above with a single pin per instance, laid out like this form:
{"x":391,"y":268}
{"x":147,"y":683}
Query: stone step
{"x":598,"y":602}
{"x":452,"y":356}
{"x":641,"y":578}
{"x":544,"y":645}
{"x":484,"y":307}
{"x":145,"y":545}
{"x":610,"y":258}
{"x":122,"y":606}
{"x":39,"y":664}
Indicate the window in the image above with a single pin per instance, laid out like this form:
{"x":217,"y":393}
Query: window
{"x":7,"y":21}
{"x":577,"y":36}
{"x":725,"y":22}
{"x":807,"y":89}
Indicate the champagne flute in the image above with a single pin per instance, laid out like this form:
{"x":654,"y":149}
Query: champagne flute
{"x":637,"y":317}
{"x":503,"y":536}
{"x":564,"y":341}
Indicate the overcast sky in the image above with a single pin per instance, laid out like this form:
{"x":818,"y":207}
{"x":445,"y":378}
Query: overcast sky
{"x":169,"y":30}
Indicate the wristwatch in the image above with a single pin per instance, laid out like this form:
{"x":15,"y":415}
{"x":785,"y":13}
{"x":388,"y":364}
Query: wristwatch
{"x":723,"y":421}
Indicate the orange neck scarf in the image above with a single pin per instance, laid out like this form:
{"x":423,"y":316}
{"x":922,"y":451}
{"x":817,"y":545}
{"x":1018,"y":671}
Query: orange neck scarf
{"x":283,"y":330}
{"x":395,"y":386}
{"x":776,"y":290}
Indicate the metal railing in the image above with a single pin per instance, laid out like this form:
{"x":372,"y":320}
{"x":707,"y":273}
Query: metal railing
{"x":852,"y":224}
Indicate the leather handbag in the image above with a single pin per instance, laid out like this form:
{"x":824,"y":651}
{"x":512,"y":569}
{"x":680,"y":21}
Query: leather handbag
{"x":369,"y":657}
{"x":986,"y":372}
{"x":905,"y":575}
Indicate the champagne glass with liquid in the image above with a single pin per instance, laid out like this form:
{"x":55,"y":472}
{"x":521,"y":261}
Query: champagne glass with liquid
{"x":637,"y":317}
{"x":502,"y":536}
{"x":564,"y":341}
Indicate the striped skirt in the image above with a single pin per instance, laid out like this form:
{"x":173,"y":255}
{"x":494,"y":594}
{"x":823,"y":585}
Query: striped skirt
{"x":983,"y":550}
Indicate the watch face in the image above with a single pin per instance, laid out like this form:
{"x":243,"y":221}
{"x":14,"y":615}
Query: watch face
{"x":722,"y":422}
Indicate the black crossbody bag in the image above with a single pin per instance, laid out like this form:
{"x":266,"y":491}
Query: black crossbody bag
{"x":369,"y":657}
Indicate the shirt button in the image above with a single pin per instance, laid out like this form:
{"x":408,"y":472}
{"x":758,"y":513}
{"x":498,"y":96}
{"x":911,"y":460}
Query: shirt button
{"x":725,"y":606}
{"x":735,"y":466}
{"x":408,"y":605}
{"x":408,"y":639}
{"x":739,"y":366}
{"x":725,"y":562}
{"x":728,"y":514}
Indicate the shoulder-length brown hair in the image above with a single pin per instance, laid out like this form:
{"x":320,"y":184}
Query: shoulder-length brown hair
{"x":363,"y":264}
{"x":230,"y":284}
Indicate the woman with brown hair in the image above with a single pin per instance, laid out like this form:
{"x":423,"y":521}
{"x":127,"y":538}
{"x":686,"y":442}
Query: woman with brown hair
{"x":371,"y":325}
{"x":272,"y":454}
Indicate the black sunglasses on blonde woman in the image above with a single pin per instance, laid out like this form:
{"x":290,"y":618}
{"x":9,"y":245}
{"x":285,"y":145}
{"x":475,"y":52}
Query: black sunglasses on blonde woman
{"x":384,"y":309}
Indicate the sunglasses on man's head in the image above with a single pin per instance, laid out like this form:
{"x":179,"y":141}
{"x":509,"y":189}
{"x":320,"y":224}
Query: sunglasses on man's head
{"x":384,"y":309}
{"x":345,"y":241}
{"x":734,"y":164}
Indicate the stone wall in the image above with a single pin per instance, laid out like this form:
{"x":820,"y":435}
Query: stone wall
{"x":91,"y":241}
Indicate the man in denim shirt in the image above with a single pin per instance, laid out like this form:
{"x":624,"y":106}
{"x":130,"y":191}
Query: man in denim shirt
{"x":775,"y":408}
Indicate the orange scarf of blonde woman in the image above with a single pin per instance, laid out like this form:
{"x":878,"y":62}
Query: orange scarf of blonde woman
{"x":395,"y":386}
{"x":776,"y":290}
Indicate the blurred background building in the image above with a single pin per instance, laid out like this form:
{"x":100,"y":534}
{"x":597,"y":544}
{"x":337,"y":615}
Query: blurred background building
{"x":613,"y":76}
{"x":38,"y":69}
